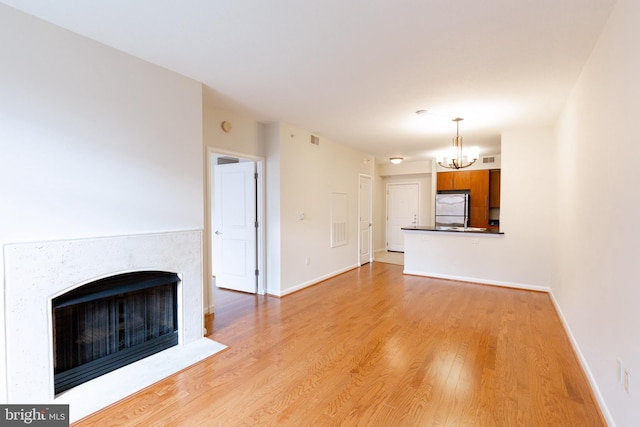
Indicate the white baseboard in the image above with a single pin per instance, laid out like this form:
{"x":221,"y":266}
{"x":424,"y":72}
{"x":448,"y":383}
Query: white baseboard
{"x":481,"y":281}
{"x":585,"y":366}
{"x":312,"y":282}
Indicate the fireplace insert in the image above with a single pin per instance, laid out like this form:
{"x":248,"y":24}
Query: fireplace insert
{"x":112,"y":322}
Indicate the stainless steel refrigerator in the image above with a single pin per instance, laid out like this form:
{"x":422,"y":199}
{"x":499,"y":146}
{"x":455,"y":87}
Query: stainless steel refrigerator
{"x":452,"y":210}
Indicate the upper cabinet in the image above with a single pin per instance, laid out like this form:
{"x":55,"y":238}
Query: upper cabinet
{"x":462,"y":180}
{"x":454,"y":181}
{"x":445,"y":181}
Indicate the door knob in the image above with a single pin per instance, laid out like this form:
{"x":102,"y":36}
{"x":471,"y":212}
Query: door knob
{"x":218,"y":232}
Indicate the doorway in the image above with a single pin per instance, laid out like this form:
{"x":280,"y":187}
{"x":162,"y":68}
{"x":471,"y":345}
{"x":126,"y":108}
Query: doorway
{"x":403,"y":210}
{"x":365,"y":243}
{"x":236,"y":218}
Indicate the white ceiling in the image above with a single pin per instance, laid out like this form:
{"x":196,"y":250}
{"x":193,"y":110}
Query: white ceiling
{"x":356,"y":71}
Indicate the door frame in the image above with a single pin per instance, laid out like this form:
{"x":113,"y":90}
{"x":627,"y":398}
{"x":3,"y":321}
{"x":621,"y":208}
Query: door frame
{"x":360,"y":176}
{"x":386,"y":223}
{"x":260,"y":217}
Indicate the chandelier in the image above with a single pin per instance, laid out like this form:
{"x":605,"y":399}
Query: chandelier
{"x":457,"y":157}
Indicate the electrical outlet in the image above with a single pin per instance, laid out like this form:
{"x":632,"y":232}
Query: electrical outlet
{"x":307,"y":260}
{"x":474,"y":241}
{"x":627,"y":380}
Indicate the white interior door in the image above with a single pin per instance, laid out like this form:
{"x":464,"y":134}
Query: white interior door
{"x":403,"y":205}
{"x":234,"y":256}
{"x":365,"y":219}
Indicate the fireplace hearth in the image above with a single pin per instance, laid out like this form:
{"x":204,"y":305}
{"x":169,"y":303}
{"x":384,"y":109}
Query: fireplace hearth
{"x":112,"y":322}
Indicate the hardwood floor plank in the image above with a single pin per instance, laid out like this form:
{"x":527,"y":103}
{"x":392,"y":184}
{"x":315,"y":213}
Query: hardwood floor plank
{"x":375,"y":347}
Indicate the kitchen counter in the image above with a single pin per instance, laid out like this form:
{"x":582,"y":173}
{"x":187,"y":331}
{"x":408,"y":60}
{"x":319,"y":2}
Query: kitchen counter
{"x":475,"y":230}
{"x":467,"y":254}
{"x":471,"y":255}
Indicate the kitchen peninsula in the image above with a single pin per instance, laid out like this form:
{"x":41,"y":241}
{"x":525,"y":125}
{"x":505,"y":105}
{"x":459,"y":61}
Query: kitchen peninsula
{"x":469,"y":254}
{"x":455,"y":229}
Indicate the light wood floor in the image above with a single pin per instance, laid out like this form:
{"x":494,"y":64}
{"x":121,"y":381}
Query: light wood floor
{"x":375,"y":347}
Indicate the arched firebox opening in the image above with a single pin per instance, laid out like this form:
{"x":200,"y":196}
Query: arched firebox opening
{"x":112,"y":322}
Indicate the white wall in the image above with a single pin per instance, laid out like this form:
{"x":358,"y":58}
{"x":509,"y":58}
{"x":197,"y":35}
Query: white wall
{"x":245,"y":139}
{"x":246,"y":135}
{"x":305,"y":176}
{"x":527,"y":204}
{"x":523,"y":256}
{"x":597,"y":279}
{"x":404,"y":168}
{"x":93,"y":142}
{"x":273,"y":206}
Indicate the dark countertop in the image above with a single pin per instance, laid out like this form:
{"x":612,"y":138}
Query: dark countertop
{"x":456,"y":230}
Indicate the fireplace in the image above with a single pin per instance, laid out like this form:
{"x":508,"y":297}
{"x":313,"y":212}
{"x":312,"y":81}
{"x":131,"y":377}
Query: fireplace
{"x":38,"y":273}
{"x":112,"y":322}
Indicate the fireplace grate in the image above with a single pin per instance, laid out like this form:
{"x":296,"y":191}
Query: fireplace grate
{"x":111,"y":323}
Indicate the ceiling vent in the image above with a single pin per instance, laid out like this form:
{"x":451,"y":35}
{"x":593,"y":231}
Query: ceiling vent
{"x":488,"y":160}
{"x":315,"y":140}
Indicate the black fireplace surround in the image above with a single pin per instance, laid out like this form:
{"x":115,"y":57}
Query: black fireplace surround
{"x":112,"y":322}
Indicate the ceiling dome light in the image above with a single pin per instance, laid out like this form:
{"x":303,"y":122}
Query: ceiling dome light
{"x":396,"y":160}
{"x":455,"y":158}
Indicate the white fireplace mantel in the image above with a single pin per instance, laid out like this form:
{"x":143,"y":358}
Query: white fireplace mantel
{"x":35,"y":273}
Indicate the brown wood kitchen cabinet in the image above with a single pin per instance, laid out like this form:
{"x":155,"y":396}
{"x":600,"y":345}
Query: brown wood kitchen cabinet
{"x":479,"y":198}
{"x":462,"y":180}
{"x":494,"y":188}
{"x":448,"y":181}
{"x":444,"y":181}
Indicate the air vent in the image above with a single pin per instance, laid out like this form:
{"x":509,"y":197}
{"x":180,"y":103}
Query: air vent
{"x":315,"y":140}
{"x":227,"y":160}
{"x":488,"y":160}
